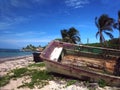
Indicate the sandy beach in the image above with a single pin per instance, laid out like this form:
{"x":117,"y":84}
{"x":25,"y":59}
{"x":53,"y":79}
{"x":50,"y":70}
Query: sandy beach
{"x":9,"y":65}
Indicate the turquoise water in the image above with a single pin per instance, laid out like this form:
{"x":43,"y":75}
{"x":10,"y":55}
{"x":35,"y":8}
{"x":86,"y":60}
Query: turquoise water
{"x":6,"y":53}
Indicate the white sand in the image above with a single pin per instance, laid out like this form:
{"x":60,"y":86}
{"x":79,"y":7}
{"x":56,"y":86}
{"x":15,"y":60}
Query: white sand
{"x":53,"y":85}
{"x":12,"y":64}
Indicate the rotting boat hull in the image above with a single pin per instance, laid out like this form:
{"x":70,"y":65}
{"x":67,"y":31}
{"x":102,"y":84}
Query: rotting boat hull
{"x":69,"y":70}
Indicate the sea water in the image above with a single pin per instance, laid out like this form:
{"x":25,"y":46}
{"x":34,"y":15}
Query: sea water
{"x":10,"y":53}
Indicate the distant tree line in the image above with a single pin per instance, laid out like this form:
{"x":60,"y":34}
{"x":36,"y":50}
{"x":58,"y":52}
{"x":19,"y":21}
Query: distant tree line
{"x":113,"y":43}
{"x":31,"y":47}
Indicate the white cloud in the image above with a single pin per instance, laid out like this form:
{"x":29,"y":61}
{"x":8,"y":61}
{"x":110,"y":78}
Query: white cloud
{"x":26,"y":37}
{"x":4,"y":25}
{"x":76,"y":3}
{"x":10,"y":35}
{"x":26,"y":3}
{"x":110,"y":3}
{"x":18,"y":43}
{"x":34,"y":40}
{"x":76,"y":25}
{"x":19,"y":3}
{"x":10,"y":21}
{"x":10,"y":17}
{"x":30,"y":33}
{"x":25,"y":40}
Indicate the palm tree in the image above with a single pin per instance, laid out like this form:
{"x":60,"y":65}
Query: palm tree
{"x":71,"y":35}
{"x":104,"y":24}
{"x":119,"y":22}
{"x":117,"y":25}
{"x":65,"y":36}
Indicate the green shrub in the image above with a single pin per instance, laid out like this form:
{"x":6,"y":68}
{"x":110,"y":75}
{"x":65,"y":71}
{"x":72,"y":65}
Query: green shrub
{"x":19,"y":72}
{"x":70,"y":82}
{"x":37,"y":65}
{"x":4,"y":80}
{"x":102,"y":83}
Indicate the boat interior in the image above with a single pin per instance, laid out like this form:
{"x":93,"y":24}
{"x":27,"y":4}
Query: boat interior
{"x":87,"y":57}
{"x":88,"y":62}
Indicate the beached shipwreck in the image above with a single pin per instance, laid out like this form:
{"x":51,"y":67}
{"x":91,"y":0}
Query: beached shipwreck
{"x":83,"y":62}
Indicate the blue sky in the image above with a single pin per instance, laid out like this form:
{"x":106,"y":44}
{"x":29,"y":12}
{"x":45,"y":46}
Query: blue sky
{"x":37,"y":22}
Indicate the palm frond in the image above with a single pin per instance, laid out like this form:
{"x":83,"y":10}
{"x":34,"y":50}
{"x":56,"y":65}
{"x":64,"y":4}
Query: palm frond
{"x":105,"y":21}
{"x":115,"y":25}
{"x":76,"y":38}
{"x":102,"y":20}
{"x":109,"y":21}
{"x":119,"y":14}
{"x":71,"y":35}
{"x":97,"y":25}
{"x":107,"y":28}
{"x":64,"y":33}
{"x":97,"y":34}
{"x":72,"y":31}
{"x":109,"y":34}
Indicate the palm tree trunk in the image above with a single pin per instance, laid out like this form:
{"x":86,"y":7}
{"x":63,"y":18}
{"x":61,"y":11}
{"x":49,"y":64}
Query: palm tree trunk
{"x":119,"y":36}
{"x":119,"y":26}
{"x":101,"y":39}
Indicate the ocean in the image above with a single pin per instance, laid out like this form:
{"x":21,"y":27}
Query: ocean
{"x":10,"y":53}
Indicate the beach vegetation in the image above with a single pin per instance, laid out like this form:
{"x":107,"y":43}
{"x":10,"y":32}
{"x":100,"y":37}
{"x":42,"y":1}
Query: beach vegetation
{"x":59,"y":39}
{"x":102,"y":83}
{"x":19,"y":72}
{"x":113,"y":44}
{"x":37,"y":77}
{"x":4,"y":80}
{"x":37,"y":65}
{"x":71,"y":82}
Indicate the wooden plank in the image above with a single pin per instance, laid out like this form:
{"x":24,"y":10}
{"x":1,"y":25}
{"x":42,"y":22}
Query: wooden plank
{"x":56,"y":53}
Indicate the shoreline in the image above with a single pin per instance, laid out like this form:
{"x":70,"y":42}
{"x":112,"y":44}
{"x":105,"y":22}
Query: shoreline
{"x":15,"y":62}
{"x":15,"y":58}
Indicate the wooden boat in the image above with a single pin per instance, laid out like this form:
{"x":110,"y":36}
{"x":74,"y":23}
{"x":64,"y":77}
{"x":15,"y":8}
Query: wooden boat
{"x":83,"y":62}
